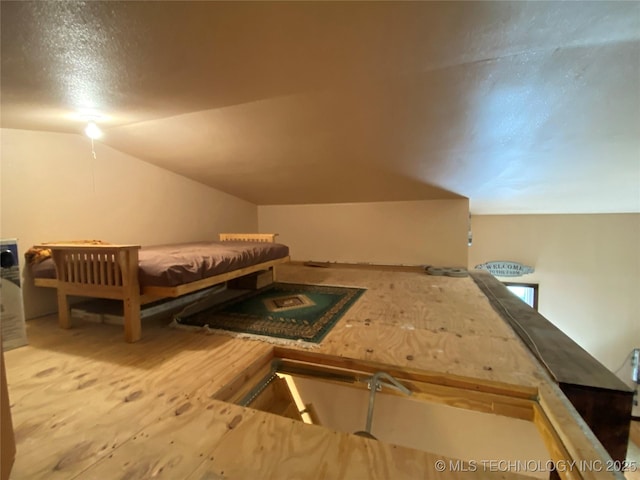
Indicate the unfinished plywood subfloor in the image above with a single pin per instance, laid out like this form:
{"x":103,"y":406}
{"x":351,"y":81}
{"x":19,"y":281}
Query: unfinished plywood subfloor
{"x":411,"y":319}
{"x":87,"y":405}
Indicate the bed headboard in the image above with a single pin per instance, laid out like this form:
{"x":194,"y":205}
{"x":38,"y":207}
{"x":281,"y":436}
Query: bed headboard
{"x":248,"y":237}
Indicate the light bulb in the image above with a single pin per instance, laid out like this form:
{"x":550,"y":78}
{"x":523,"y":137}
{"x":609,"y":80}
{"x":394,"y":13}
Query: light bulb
{"x":93,"y":131}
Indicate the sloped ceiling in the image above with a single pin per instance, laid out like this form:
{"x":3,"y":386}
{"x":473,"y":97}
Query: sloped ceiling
{"x":523,"y":107}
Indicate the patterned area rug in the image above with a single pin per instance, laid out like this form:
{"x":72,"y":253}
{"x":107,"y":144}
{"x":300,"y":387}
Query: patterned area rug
{"x":283,"y":310}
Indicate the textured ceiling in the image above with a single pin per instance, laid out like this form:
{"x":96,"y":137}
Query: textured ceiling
{"x":524,"y":107}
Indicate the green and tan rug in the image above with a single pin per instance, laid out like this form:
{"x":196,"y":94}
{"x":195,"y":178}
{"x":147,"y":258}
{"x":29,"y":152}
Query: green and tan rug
{"x":293,"y":312}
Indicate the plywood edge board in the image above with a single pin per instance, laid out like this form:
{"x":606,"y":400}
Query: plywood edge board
{"x":243,"y":381}
{"x":554,"y":445}
{"x":566,"y":434}
{"x":411,"y":374}
{"x":502,"y":405}
{"x":507,"y":406}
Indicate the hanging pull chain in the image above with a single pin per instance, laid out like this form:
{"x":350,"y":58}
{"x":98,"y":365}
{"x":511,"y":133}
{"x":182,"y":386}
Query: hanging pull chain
{"x":93,"y":166}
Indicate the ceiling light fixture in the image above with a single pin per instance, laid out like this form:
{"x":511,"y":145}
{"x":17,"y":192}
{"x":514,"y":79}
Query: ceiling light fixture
{"x":93,"y":131}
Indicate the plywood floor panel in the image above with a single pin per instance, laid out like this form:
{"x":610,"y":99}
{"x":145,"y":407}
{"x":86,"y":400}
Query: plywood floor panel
{"x":411,"y":319}
{"x":115,"y":399}
{"x":173,"y":446}
{"x":88,"y":405}
{"x":270,"y":447}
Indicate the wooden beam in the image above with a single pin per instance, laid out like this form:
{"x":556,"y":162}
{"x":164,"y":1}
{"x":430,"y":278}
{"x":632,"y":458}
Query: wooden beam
{"x":600,"y":397}
{"x":514,"y":407}
{"x":573,"y":437}
{"x":445,"y":379}
{"x":163,"y":292}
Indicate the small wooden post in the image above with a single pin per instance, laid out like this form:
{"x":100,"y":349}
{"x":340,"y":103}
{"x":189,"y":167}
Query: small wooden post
{"x":128,"y":262}
{"x":64,"y":317}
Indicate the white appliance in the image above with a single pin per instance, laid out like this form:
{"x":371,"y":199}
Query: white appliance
{"x":14,"y":333}
{"x":635,"y":377}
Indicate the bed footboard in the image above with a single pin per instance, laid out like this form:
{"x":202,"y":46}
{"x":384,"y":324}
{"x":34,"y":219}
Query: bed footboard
{"x":102,"y":271}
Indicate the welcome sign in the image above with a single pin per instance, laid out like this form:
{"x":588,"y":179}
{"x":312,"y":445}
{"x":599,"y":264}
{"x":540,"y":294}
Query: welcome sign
{"x":505,"y":269}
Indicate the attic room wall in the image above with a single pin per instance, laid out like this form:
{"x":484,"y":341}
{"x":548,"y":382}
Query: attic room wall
{"x":587,"y":268}
{"x":385,"y":233}
{"x":53,"y":189}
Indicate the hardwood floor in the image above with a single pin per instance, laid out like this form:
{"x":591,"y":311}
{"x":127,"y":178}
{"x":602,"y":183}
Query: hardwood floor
{"x":86,"y":404}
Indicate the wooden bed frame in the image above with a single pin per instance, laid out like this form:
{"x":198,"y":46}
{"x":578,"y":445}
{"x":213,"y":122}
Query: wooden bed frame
{"x":111,"y":271}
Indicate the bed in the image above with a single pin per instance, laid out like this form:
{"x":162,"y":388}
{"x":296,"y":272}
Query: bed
{"x":137,"y":276}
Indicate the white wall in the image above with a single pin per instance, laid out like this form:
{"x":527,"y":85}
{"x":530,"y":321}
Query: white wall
{"x":385,"y":233}
{"x":53,"y":189}
{"x":424,"y":425}
{"x":588,"y":269}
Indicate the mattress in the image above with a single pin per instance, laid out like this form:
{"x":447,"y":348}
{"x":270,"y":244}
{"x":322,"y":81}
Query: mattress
{"x":172,"y":265}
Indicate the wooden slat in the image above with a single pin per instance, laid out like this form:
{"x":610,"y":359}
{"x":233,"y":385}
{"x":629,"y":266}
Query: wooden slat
{"x":164,"y":292}
{"x":90,"y":269}
{"x":82,"y":268}
{"x":117,"y":273}
{"x":87,"y":267}
{"x":248,"y":237}
{"x":75,"y":270}
{"x":103,"y":262}
{"x":95,"y":268}
{"x":66,"y":265}
{"x":451,"y":380}
{"x":110,"y":270}
{"x":86,"y":247}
